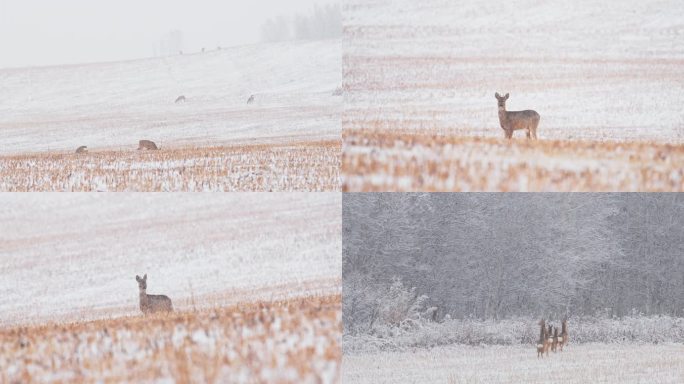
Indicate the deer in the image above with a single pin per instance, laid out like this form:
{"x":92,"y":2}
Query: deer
{"x":542,"y":339}
{"x":250,"y":100}
{"x":82,"y":149}
{"x":152,"y":303}
{"x":563,"y":339}
{"x":180,"y":99}
{"x":554,"y":345}
{"x":514,"y":120}
{"x":147,"y":144}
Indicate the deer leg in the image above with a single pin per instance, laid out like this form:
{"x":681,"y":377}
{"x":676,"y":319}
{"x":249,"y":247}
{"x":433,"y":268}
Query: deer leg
{"x":527,"y":133}
{"x":509,"y":133}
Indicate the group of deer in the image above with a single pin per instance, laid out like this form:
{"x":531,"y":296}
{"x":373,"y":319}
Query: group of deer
{"x":549,"y":339}
{"x":142,"y":144}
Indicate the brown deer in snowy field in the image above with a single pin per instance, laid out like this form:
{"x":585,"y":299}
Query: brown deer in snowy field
{"x":82,"y":149}
{"x":147,"y":144}
{"x":514,"y":120}
{"x":152,"y":303}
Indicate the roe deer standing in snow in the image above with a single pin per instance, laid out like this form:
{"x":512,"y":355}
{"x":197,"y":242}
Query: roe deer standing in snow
{"x":563,"y":339}
{"x":514,"y":120}
{"x":555,"y":339}
{"x":152,"y":303}
{"x":542,"y":339}
{"x":250,"y":100}
{"x":147,"y":144}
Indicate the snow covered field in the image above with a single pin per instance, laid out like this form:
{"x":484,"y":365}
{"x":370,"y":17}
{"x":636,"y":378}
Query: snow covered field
{"x":75,"y":256}
{"x":382,"y":160}
{"x":292,"y":341}
{"x":288,"y":166}
{"x":108,"y":107}
{"x":588,"y":363}
{"x":254,"y":279}
{"x":595,"y":72}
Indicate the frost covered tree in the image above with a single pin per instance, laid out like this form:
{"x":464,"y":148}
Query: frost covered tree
{"x":493,"y":256}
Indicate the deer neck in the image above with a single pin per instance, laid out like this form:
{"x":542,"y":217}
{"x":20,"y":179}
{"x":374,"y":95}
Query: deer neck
{"x":503,"y":116}
{"x":143,"y":298}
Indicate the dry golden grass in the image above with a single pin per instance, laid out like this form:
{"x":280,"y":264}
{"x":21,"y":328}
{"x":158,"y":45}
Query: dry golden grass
{"x":293,"y":340}
{"x":292,"y":166}
{"x":383,"y":160}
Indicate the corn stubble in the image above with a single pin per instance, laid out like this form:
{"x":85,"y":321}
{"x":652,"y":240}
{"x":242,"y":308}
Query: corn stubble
{"x":298,"y":166}
{"x":295,"y":340}
{"x":390,"y":160}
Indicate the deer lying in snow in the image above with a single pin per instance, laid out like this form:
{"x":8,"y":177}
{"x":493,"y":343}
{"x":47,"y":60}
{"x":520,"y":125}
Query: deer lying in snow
{"x":82,"y":149}
{"x":147,"y":144}
{"x":152,"y":303}
{"x":180,"y":99}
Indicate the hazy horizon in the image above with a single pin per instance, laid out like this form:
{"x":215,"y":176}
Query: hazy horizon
{"x":44,"y":33}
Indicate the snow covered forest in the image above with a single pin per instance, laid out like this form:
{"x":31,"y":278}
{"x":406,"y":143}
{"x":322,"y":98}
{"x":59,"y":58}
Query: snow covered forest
{"x":502,"y":257}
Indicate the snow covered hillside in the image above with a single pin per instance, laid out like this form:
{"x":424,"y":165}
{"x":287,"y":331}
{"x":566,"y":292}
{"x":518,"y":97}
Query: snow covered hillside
{"x":75,"y":256}
{"x":113,"y":105}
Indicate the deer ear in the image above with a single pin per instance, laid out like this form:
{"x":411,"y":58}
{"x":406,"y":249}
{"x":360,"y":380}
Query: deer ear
{"x":137,"y":278}
{"x":145,"y":277}
{"x":506,"y":97}
{"x":497,"y":95}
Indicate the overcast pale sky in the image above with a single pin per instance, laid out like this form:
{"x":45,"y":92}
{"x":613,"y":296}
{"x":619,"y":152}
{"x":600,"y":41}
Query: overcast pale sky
{"x":47,"y":32}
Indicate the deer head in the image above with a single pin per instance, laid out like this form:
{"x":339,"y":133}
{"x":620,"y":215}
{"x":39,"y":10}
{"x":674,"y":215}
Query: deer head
{"x":501,"y":100}
{"x":142,"y":282}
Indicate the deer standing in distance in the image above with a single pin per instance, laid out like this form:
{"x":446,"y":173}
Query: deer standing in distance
{"x":250,"y":100}
{"x":555,"y":339}
{"x":147,"y":144}
{"x":152,"y":303}
{"x":82,"y":149}
{"x":514,"y":120}
{"x":541,"y":343}
{"x":180,"y":99}
{"x":563,"y":339}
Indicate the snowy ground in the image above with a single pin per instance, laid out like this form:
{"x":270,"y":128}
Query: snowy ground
{"x":47,"y":112}
{"x":594,"y":71}
{"x":588,"y":363}
{"x":75,"y":256}
{"x":113,"y":105}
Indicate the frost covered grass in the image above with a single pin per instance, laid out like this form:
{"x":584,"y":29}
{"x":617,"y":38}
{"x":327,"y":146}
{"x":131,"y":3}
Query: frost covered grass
{"x":281,"y":166}
{"x":587,"y":363}
{"x":391,"y":160}
{"x":597,"y":73}
{"x":295,"y":340}
{"x":517,"y":331}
